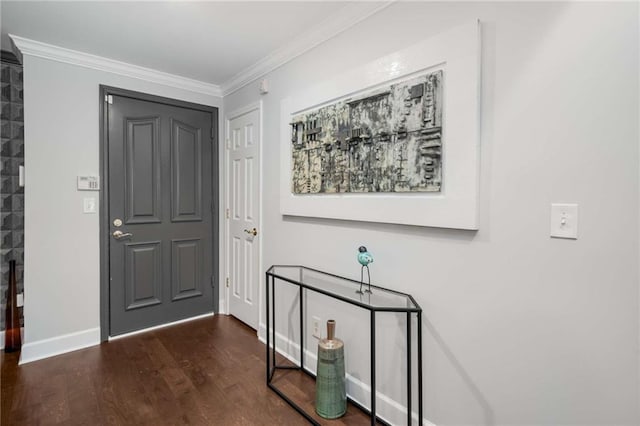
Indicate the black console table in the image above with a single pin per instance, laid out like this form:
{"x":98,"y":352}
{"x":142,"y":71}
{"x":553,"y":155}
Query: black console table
{"x":343,"y":289}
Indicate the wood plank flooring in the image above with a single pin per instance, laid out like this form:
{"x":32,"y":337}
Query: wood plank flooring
{"x":205,"y":372}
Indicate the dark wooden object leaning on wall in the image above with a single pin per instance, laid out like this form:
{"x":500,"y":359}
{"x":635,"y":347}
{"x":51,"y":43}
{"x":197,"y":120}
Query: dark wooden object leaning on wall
{"x":12,"y":338}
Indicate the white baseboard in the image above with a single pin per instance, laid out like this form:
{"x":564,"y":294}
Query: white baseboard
{"x":45,"y":348}
{"x":387,"y":408}
{"x":58,"y":345}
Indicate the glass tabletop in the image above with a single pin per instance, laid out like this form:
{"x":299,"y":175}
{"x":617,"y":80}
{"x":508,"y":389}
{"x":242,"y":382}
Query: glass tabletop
{"x":345,"y":289}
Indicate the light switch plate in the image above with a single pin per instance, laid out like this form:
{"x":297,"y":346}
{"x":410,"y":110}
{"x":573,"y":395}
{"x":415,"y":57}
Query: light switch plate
{"x":89,"y":205}
{"x":564,"y":221}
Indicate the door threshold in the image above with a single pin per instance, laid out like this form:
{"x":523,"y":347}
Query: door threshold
{"x":155,"y":327}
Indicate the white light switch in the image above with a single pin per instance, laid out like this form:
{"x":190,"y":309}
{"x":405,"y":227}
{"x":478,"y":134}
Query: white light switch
{"x":564,"y":221}
{"x":89,"y":205}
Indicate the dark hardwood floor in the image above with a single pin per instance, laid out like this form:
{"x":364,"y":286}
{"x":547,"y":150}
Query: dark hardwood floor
{"x":205,"y":372}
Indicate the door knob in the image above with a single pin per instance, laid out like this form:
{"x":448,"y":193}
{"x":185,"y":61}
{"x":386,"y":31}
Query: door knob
{"x":118,"y":235}
{"x":253,"y":231}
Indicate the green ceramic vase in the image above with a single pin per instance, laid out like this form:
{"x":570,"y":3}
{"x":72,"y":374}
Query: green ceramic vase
{"x":331,"y":394}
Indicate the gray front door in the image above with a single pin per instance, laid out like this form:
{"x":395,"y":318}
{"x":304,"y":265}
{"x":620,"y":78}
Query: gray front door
{"x":160,"y":213}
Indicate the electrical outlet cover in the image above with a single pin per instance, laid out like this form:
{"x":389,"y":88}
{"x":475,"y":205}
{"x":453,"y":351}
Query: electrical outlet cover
{"x":315,"y":327}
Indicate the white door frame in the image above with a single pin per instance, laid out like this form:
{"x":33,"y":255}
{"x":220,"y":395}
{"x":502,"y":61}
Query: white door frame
{"x":224,"y":290}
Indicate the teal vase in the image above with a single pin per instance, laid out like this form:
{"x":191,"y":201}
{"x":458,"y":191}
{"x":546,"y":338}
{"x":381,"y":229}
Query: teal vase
{"x":331,"y":393}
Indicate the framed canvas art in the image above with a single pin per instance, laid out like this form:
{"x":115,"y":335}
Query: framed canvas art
{"x":393,"y":141}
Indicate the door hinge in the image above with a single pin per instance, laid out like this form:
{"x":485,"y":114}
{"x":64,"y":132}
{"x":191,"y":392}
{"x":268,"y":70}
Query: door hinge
{"x":227,"y":282}
{"x":213,"y":281}
{"x":228,"y":214}
{"x":108,"y":99}
{"x":213,"y":133}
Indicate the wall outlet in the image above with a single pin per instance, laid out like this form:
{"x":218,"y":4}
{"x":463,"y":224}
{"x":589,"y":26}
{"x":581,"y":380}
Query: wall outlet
{"x":20,"y":300}
{"x":315,"y":327}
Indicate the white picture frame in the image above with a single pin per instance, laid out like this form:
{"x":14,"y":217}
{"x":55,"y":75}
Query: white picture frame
{"x":457,"y":52}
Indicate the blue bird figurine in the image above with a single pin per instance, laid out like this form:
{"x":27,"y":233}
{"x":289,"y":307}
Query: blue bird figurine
{"x":364,"y":258}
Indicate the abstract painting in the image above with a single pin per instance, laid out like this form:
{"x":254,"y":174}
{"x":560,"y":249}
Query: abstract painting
{"x":385,"y":140}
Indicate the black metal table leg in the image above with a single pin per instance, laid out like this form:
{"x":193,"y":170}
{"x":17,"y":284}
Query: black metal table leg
{"x":373,"y":367}
{"x":419,"y":314}
{"x":301,"y":329}
{"x":268,"y":332}
{"x":273,"y":320}
{"x":409,"y":413}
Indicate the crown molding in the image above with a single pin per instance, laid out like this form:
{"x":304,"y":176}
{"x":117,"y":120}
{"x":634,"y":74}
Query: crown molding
{"x":74,"y":57}
{"x":344,"y":19}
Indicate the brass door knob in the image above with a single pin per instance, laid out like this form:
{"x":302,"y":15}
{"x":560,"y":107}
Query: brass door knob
{"x":253,"y":231}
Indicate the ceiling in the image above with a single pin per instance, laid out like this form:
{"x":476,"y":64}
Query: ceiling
{"x":207,"y":41}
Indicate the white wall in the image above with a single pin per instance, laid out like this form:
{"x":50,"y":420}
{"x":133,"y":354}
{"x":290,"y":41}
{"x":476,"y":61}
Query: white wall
{"x":62,"y":283}
{"x":519,"y":328}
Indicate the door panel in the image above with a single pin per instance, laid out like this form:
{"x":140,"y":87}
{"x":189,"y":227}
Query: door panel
{"x":142,"y":274}
{"x":249,"y":282}
{"x":142,"y":159}
{"x":235,"y":261}
{"x":235,"y":188}
{"x":248,"y":193}
{"x":243,"y":200}
{"x":186,"y":172}
{"x":186,"y":266}
{"x":160,"y":184}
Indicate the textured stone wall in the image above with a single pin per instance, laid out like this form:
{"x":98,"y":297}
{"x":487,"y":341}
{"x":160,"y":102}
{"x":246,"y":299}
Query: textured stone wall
{"x":12,"y":195}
